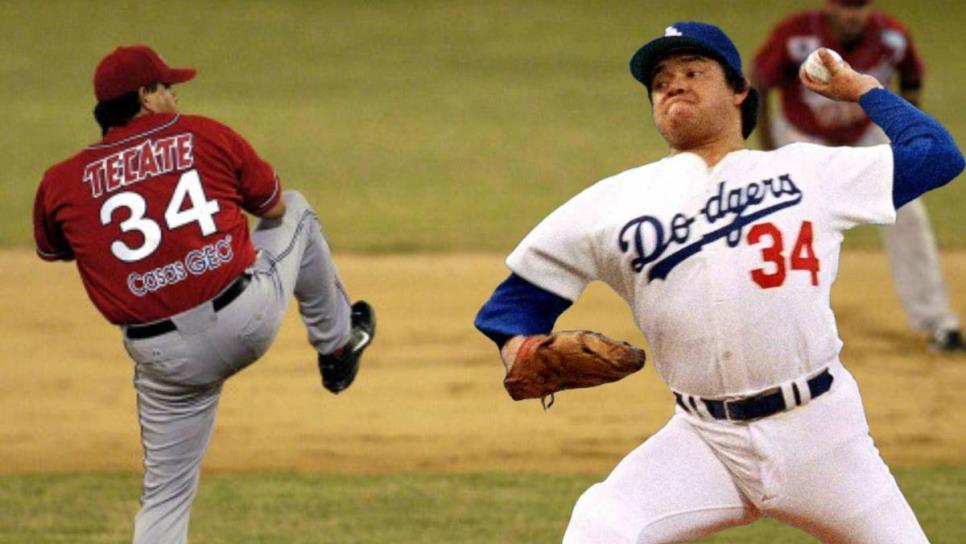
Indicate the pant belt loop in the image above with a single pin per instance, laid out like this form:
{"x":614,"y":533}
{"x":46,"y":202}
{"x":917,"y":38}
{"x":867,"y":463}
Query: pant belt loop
{"x":701,"y":409}
{"x":788,"y":394}
{"x":803,"y":391}
{"x":692,"y":405}
{"x":679,"y":398}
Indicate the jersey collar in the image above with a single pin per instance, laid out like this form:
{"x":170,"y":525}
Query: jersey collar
{"x":138,"y":127}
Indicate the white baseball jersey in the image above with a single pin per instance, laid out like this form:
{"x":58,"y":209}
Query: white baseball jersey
{"x":728,"y":269}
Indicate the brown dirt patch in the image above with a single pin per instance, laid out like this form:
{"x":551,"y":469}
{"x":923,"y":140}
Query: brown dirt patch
{"x":429,"y":395}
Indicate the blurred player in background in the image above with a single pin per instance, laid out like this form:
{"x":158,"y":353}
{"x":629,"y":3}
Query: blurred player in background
{"x":873,"y":43}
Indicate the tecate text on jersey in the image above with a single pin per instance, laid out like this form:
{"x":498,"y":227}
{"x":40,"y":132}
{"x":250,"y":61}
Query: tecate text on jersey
{"x":148,"y":159}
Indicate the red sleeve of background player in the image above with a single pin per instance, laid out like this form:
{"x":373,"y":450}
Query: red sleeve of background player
{"x":771,"y":61}
{"x":911,"y":67}
{"x":258,"y":184}
{"x":52,"y":245}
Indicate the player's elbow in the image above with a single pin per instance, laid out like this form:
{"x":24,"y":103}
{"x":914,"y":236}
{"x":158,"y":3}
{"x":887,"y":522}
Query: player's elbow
{"x":956,"y":164}
{"x":938,"y":159}
{"x":949,"y":162}
{"x":64,"y":255}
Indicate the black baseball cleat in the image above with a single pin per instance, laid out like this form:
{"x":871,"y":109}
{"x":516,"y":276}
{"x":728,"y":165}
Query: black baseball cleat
{"x":947,"y":341}
{"x":338,"y":371}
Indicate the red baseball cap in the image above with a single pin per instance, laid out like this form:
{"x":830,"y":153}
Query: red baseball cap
{"x":128,"y":68}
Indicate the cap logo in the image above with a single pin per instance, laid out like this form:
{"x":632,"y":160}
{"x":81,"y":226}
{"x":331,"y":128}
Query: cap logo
{"x":671,"y":31}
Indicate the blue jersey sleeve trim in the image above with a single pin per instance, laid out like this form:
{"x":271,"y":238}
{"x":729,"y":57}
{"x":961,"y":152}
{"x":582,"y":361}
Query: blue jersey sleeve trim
{"x":518,"y":307}
{"x":924,"y":154}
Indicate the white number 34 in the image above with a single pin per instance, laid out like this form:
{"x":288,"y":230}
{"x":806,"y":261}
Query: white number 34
{"x":201,"y":211}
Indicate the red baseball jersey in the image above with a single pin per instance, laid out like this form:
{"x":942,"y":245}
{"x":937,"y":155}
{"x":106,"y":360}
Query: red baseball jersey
{"x":884,"y":49}
{"x":153,"y":214}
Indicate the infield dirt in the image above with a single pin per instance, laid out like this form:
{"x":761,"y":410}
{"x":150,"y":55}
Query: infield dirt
{"x":429,"y":395}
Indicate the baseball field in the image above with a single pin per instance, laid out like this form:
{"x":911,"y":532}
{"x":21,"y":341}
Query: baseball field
{"x":430,"y":136}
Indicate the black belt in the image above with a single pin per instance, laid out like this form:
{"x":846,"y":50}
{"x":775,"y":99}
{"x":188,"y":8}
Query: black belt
{"x":237,"y":287}
{"x":758,"y":406}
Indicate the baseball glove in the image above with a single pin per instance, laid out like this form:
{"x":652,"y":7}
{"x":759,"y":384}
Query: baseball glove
{"x":545,"y":364}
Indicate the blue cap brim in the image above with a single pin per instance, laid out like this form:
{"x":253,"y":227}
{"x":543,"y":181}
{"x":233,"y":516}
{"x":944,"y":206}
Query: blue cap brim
{"x":646,"y":58}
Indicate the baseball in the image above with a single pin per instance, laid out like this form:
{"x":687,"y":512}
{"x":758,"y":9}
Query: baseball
{"x":816,"y":69}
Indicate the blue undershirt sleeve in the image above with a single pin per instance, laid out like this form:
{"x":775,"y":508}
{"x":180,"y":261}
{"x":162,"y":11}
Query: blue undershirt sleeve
{"x":518,"y":307}
{"x":924,"y":154}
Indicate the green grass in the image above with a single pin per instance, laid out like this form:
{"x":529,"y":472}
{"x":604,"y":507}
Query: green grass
{"x":399,"y":509}
{"x":425,"y":125}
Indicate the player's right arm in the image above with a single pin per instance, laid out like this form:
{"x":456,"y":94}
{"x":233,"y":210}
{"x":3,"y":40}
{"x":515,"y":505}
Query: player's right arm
{"x":925,"y":155}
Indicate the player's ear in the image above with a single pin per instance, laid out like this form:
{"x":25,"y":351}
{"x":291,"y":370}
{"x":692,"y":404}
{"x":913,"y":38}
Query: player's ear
{"x":739,"y":96}
{"x":145,"y":96}
{"x":143,"y":93}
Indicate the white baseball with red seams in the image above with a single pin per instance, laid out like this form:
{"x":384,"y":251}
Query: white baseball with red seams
{"x":816,"y":69}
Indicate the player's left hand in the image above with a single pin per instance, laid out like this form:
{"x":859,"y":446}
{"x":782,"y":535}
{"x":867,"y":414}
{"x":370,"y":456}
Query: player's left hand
{"x":844,"y":83}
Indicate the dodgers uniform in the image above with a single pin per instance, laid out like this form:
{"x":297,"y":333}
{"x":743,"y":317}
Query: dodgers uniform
{"x":728,"y":270}
{"x":153,"y":217}
{"x":885,"y":50}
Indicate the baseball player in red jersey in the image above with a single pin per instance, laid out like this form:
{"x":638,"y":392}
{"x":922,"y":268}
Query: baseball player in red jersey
{"x":871,"y":42}
{"x":153,"y":216}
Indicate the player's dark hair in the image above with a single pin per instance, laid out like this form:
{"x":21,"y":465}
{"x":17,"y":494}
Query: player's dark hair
{"x":117,"y":112}
{"x":749,"y":108}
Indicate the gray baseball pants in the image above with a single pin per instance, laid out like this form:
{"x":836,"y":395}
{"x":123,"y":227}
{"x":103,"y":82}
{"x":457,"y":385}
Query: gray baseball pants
{"x":179,"y":375}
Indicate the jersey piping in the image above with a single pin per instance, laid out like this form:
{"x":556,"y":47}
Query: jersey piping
{"x":136,"y":136}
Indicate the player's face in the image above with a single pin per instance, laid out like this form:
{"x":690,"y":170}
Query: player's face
{"x":692,"y":101}
{"x":848,"y":21}
{"x":161,"y":100}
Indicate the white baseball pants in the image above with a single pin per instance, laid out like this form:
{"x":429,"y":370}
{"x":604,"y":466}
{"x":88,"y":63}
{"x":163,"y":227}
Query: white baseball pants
{"x":813,"y":467}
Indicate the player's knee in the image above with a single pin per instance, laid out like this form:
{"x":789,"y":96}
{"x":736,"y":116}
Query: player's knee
{"x":296,"y":206}
{"x":597,"y":518}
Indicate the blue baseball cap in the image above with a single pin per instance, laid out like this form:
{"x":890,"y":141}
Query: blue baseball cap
{"x":704,"y":39}
{"x":686,"y":36}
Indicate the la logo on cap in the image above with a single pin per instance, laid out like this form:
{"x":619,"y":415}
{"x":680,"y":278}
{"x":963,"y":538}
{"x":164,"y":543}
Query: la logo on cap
{"x":671,"y":31}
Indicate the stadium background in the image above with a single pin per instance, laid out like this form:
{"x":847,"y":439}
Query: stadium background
{"x":430,"y":136}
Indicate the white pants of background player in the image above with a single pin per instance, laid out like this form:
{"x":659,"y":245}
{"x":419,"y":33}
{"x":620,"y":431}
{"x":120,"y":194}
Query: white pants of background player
{"x":813,"y":467}
{"x":179,"y":375}
{"x":909,"y":243}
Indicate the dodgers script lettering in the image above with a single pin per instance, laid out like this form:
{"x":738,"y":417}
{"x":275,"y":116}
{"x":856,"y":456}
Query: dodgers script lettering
{"x":651,"y":240}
